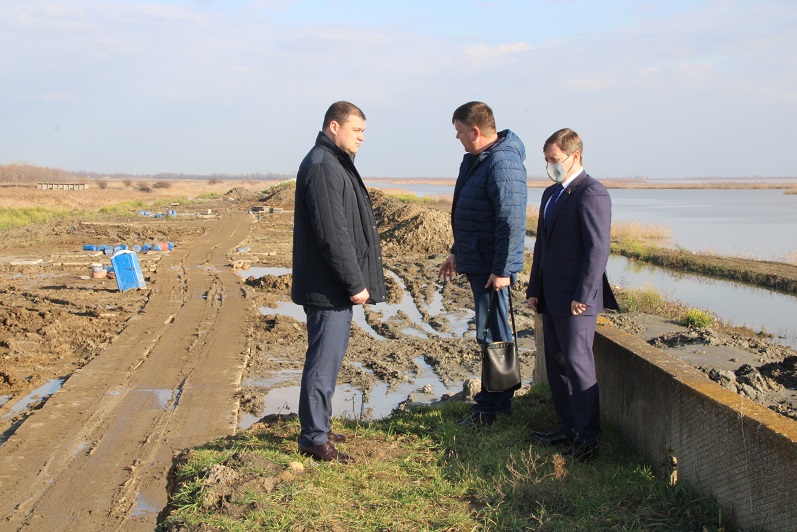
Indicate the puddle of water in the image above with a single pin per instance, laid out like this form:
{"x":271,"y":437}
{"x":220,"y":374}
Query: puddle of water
{"x":143,"y":507}
{"x":383,"y":399}
{"x":435,"y":308}
{"x":4,"y":399}
{"x":268,"y":382}
{"x":291,"y":309}
{"x":286,"y":308}
{"x":80,"y":448}
{"x":409,"y":331}
{"x":42,"y":392}
{"x":406,"y":305}
{"x":260,"y":271}
{"x":347,"y":402}
{"x":166,"y":398}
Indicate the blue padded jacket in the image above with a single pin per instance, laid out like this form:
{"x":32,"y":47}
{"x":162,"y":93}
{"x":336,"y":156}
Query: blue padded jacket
{"x":488,"y":216}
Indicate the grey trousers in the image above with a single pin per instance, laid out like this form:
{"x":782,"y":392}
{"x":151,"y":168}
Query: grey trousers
{"x":328,"y":331}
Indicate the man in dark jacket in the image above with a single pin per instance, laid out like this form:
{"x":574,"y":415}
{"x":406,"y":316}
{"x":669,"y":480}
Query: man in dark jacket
{"x":568,"y":285}
{"x":337,"y":263}
{"x":488,"y":218}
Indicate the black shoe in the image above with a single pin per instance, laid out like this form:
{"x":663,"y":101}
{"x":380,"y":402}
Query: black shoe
{"x":583,"y":450}
{"x":557,"y":437}
{"x":478,"y":419}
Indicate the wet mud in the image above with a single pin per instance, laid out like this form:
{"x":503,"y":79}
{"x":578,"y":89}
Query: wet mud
{"x":418,"y":347}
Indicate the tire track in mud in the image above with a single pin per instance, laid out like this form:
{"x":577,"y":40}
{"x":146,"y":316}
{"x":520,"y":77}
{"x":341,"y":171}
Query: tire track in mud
{"x":97,"y":455}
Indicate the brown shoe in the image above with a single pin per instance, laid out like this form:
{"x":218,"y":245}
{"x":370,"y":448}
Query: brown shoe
{"x":325,"y":452}
{"x":334,"y":437}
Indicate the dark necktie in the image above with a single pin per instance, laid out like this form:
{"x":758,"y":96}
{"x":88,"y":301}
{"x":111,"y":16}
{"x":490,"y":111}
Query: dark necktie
{"x":551,"y":202}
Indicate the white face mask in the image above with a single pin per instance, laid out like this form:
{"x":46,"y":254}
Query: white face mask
{"x":557,"y":172}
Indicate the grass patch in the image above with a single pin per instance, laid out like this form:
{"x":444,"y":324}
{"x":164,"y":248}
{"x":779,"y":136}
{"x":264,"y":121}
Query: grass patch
{"x":635,"y":232}
{"x":696,"y":319}
{"x":12,"y":218}
{"x":775,"y":276}
{"x":125,"y":207}
{"x":646,"y":300}
{"x":418,"y":470}
{"x":441,"y":202}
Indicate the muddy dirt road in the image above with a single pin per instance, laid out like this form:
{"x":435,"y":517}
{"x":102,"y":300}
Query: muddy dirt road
{"x":97,"y":454}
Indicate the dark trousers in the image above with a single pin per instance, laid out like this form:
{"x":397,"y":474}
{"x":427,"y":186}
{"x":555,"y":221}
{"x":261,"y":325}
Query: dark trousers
{"x":500,"y":330}
{"x":570,"y":364}
{"x":328,"y":331}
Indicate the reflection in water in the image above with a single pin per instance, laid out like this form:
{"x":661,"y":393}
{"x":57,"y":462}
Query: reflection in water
{"x":736,"y":303}
{"x":756,"y":308}
{"x":348,"y":402}
{"x":260,"y":271}
{"x":458,"y":319}
{"x":42,"y":392}
{"x":143,"y":507}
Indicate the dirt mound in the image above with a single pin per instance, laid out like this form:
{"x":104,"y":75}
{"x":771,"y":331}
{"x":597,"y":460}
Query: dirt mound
{"x":270,"y":282}
{"x":407,"y":228}
{"x":242,"y":194}
{"x":282,"y":195}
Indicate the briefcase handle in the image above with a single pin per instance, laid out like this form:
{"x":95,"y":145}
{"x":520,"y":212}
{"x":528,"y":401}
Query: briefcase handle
{"x":492,"y":307}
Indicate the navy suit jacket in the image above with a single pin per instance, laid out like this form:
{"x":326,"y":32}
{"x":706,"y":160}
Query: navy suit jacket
{"x":571,"y":251}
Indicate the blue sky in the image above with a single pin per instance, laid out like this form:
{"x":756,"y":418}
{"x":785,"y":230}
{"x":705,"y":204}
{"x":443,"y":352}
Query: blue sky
{"x":658,"y":88}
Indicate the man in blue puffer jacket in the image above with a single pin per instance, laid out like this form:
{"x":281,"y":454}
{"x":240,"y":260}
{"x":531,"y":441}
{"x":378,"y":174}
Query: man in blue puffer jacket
{"x":488,"y":218}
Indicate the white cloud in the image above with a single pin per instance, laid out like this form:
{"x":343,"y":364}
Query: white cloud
{"x":481,"y":54}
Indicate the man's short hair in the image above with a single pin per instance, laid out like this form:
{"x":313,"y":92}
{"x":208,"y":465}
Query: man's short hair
{"x":340,"y":112}
{"x":567,"y":140}
{"x":476,"y":114}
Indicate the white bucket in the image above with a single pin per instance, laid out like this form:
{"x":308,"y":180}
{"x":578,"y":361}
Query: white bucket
{"x":98,"y":271}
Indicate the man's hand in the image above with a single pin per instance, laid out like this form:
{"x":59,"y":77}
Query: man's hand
{"x":533,"y":302}
{"x":361,"y":298}
{"x":449,"y":268}
{"x":497,"y":282}
{"x":577,"y":308}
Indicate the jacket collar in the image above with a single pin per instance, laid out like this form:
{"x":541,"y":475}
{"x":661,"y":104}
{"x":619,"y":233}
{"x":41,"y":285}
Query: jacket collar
{"x":325,"y":142}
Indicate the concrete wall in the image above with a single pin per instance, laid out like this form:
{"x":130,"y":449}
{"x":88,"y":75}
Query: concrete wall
{"x":725,"y":445}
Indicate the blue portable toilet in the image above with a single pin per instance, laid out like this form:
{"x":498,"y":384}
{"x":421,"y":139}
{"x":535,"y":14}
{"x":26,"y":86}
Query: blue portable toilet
{"x":127,"y":270}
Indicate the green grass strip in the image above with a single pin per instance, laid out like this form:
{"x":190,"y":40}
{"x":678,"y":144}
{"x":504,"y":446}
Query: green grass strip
{"x":419,"y":470}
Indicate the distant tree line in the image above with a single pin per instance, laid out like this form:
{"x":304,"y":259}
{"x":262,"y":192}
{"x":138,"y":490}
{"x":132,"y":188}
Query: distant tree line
{"x":171,"y":176}
{"x":27,"y":173}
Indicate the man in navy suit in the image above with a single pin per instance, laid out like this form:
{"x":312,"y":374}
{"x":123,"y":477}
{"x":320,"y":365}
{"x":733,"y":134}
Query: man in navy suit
{"x":568,"y":285}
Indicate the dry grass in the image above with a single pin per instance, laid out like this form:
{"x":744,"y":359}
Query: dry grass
{"x":94,"y":198}
{"x":636,"y":232}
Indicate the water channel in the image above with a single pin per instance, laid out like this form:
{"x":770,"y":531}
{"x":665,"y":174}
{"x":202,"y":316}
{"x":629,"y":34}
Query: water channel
{"x":756,"y":223}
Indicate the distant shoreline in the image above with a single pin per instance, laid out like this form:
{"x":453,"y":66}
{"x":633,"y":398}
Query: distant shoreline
{"x":784,"y":183}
